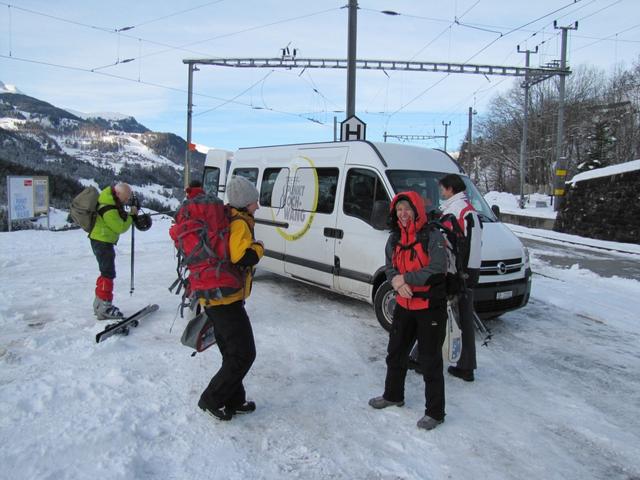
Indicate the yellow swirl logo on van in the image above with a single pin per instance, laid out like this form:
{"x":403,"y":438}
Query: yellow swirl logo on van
{"x":300,"y":203}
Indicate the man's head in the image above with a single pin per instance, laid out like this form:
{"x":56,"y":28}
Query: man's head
{"x":194,"y":189}
{"x":123,"y":192}
{"x":450,"y":185}
{"x":242,"y":194}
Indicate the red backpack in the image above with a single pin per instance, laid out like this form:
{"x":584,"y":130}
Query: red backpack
{"x":201,"y":237}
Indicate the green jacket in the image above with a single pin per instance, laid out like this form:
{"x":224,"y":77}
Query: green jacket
{"x":110,"y":225}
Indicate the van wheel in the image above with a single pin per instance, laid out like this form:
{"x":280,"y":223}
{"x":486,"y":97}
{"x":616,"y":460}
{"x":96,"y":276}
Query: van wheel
{"x":384,"y":303}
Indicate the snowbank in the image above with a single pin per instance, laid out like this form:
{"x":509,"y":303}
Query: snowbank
{"x":606,"y":171}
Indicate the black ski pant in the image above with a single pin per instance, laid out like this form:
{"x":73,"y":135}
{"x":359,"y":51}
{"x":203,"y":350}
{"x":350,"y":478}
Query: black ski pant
{"x":467,"y":360}
{"x":106,"y":256}
{"x":429,"y":328}
{"x":234,"y":338}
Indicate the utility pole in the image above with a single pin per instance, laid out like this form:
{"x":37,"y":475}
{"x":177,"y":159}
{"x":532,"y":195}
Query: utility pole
{"x":561,"y":162}
{"x":187,"y":153}
{"x":351,"y":58}
{"x":446,"y":125}
{"x":469,"y":140}
{"x":525,"y":121}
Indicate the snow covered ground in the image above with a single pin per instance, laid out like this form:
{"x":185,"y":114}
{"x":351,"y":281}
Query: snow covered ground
{"x":556,"y":396}
{"x":536,"y":204}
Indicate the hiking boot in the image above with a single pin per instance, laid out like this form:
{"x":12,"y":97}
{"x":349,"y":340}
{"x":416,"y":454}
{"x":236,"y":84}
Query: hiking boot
{"x":466,"y":375}
{"x":219,"y":413}
{"x":429,"y":423}
{"x":381,"y":402}
{"x":105,"y":310}
{"x":246,"y":407}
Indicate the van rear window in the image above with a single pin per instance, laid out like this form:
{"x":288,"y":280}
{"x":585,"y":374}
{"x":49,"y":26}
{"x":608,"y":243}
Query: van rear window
{"x":250,"y":174}
{"x":266,"y":188}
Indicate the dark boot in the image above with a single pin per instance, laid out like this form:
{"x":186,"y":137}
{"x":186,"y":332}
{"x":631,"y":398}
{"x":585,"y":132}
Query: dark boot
{"x":219,"y":413}
{"x":246,"y":407}
{"x":466,"y":375}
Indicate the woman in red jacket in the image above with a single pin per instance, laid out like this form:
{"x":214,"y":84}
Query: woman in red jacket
{"x":416,"y":266}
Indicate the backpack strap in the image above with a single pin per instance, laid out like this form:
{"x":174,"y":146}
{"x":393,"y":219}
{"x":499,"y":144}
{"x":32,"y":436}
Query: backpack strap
{"x":104,"y":209}
{"x":456,"y":282}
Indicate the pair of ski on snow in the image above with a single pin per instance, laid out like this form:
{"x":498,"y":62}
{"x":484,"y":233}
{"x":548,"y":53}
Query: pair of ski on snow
{"x":122,"y":327}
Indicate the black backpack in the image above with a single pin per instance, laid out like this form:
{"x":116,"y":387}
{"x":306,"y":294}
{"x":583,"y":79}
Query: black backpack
{"x":457,"y":245}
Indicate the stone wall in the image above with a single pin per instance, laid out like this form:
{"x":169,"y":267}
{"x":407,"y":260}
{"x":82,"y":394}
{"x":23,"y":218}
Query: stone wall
{"x":605,"y":208}
{"x":527,"y":221}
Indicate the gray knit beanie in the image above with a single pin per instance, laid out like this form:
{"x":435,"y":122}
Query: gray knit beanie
{"x":241,"y":192}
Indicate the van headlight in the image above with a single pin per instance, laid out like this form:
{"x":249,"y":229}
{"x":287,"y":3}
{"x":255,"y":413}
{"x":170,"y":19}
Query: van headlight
{"x":527,"y":263}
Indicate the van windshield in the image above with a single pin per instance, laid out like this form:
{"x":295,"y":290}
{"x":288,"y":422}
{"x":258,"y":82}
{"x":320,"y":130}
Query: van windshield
{"x":426,"y":184}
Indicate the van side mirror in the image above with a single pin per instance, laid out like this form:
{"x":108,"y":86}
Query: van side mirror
{"x":380,"y":214}
{"x":496,"y":211}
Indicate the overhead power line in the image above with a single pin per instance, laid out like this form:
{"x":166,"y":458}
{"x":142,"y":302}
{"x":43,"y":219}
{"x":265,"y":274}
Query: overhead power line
{"x":238,"y":32}
{"x":607,"y":37}
{"x":476,"y":26}
{"x":167,"y":47}
{"x":442,"y":67}
{"x":598,"y":11}
{"x":147,"y":22}
{"x":520,"y":28}
{"x":151,"y":84}
{"x":394,"y":13}
{"x":236,"y":96}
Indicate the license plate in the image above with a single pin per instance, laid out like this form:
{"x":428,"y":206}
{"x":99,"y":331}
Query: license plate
{"x":504,"y":295}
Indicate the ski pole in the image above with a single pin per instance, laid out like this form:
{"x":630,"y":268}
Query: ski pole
{"x":133,"y":238}
{"x":167,"y":212}
{"x":482,"y":328}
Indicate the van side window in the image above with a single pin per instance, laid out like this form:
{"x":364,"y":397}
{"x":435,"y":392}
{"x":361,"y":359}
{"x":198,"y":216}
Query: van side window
{"x":362,"y":189}
{"x":266,"y":188}
{"x":250,"y":174}
{"x":327,"y":185}
{"x":211,"y":180}
{"x":302,"y":198}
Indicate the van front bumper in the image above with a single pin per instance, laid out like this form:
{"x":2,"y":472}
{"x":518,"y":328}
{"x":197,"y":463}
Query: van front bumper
{"x":495,"y":298}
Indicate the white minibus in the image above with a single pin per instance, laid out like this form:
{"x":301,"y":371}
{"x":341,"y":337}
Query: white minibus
{"x":323,"y":211}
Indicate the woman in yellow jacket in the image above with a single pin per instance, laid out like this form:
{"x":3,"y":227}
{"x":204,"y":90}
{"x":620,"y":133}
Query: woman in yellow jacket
{"x":225,"y":395}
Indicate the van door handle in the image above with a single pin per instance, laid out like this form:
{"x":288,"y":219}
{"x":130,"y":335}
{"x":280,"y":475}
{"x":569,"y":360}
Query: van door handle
{"x":333,"y":232}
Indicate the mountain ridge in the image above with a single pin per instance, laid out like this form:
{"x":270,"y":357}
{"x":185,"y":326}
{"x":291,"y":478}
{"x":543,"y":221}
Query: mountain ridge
{"x":38,"y":136}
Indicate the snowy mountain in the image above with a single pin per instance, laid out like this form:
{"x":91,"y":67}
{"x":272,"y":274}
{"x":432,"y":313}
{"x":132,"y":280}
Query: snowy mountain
{"x":6,"y":88}
{"x":37,"y":137}
{"x":112,"y":121}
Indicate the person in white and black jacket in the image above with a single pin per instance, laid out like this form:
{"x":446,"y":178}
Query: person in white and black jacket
{"x":458,"y":208}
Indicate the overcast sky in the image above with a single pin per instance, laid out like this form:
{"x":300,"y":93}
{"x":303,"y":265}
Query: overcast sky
{"x":49,"y":49}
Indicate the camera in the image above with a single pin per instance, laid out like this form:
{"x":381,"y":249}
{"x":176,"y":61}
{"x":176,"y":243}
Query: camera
{"x":134,"y":201}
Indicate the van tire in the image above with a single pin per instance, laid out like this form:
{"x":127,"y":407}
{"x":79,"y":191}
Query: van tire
{"x":384,"y":303}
